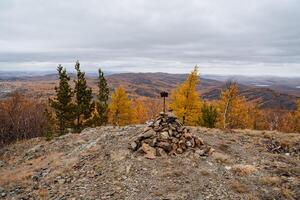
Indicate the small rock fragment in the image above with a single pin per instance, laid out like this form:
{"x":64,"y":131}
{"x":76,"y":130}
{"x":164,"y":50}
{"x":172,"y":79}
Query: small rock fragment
{"x":149,"y":151}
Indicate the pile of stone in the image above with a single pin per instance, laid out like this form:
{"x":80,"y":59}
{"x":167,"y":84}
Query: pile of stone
{"x":167,"y":136}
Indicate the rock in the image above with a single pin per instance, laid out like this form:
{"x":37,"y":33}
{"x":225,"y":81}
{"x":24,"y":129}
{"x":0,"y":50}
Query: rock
{"x":199,"y":142}
{"x":167,"y":135}
{"x":201,"y":152}
{"x":165,"y":145}
{"x":148,"y":134}
{"x":35,"y":178}
{"x":149,"y":151}
{"x":3,"y":194}
{"x":188,"y":143}
{"x":161,"y":152}
{"x":1,"y":163}
{"x":164,"y":135}
{"x":179,"y":150}
{"x":133,"y":146}
{"x":61,"y":181}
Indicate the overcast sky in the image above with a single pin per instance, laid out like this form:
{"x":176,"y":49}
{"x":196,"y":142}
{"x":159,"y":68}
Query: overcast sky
{"x":257,"y":37}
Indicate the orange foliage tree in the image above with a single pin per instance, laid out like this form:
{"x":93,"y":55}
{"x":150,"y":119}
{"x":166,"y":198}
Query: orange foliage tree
{"x":185,"y":100}
{"x":140,"y":113}
{"x":233,"y":109}
{"x":120,"y":110}
{"x":21,"y":118}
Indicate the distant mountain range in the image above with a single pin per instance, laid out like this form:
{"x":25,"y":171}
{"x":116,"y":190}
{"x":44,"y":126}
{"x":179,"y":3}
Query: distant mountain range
{"x":268,"y":92}
{"x":151,"y":84}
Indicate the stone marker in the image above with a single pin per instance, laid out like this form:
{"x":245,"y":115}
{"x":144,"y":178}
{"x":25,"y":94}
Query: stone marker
{"x":167,"y":136}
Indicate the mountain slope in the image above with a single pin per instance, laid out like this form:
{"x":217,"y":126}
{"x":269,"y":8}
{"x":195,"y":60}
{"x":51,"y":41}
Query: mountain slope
{"x":151,"y":84}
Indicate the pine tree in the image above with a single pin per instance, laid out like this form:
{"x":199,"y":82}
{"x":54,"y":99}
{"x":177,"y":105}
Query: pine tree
{"x":101,"y":104}
{"x":83,"y":99}
{"x":185,"y":101}
{"x":120,"y":111}
{"x":233,"y":109}
{"x":209,"y":115}
{"x":62,"y":103}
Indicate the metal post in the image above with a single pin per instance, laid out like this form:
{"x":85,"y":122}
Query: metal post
{"x":164,"y":95}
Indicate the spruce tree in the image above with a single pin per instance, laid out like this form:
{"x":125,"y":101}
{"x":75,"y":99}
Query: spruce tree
{"x":83,"y":99}
{"x":101,"y":104}
{"x":209,"y":115}
{"x":62,"y":103}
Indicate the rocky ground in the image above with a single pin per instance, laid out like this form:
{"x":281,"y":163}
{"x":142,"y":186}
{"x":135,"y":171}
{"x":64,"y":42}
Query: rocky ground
{"x":98,"y":164}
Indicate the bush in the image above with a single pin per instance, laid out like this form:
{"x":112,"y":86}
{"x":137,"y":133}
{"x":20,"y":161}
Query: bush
{"x":21,"y":118}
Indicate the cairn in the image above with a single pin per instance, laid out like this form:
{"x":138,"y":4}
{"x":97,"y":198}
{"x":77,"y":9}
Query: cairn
{"x":166,"y":135}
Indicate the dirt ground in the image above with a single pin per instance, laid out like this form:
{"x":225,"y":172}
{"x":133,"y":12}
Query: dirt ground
{"x":97,"y":164}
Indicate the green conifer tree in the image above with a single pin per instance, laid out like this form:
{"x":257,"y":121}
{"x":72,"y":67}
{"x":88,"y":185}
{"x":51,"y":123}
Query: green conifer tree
{"x":101,"y":105}
{"x":83,"y":99}
{"x":62,"y":103}
{"x":209,"y":115}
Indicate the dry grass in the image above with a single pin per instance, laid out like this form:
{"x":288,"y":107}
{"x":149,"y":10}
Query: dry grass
{"x":270,"y":180}
{"x":239,"y":187}
{"x":43,"y":193}
{"x":222,"y":158}
{"x":288,"y":194}
{"x":24,"y":173}
{"x":244,"y":170}
{"x":205,"y":172}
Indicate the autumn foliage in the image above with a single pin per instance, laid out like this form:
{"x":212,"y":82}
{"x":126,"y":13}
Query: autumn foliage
{"x":233,"y":109}
{"x":21,"y":118}
{"x":120,"y":110}
{"x":185,"y":100}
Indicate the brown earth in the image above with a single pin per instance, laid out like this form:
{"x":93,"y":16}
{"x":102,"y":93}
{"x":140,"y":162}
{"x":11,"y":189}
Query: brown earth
{"x":97,"y":164}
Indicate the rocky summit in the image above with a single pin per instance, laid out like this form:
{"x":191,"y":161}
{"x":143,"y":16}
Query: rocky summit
{"x":97,"y":164}
{"x":167,"y":136}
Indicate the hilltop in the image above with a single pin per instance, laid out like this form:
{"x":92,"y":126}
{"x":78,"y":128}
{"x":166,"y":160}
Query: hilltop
{"x":97,"y":164}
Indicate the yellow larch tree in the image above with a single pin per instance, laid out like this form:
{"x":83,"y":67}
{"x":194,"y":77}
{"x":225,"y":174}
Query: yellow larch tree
{"x":233,"y":109}
{"x":120,"y":110}
{"x":257,"y":117}
{"x":185,"y":100}
{"x":140,"y":114}
{"x":297,"y":117}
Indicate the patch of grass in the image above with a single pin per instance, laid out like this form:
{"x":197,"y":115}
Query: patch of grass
{"x":43,"y":193}
{"x":270,"y":180}
{"x":288,"y":194}
{"x":244,"y":170}
{"x":239,"y":187}
{"x":222,"y":158}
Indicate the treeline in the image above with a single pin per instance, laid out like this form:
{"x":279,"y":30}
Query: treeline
{"x":232,"y":111}
{"x":21,"y":118}
{"x":73,"y":109}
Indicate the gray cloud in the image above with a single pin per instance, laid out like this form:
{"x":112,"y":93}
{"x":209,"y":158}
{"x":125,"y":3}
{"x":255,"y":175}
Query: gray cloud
{"x":221,"y":36}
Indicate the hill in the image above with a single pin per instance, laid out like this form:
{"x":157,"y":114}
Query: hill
{"x":97,"y":164}
{"x":151,"y":84}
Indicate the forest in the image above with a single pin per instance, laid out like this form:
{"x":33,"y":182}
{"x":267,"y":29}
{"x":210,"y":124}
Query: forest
{"x":73,"y":109}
